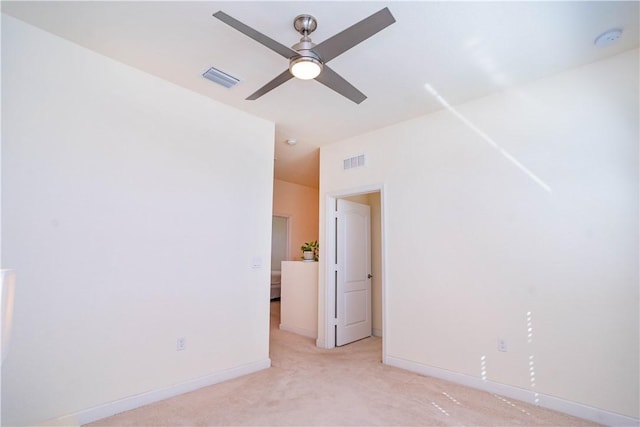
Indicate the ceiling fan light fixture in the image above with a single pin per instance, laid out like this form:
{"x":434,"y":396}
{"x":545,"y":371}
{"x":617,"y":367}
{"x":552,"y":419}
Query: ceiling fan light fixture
{"x":305,"y":67}
{"x":306,"y":59}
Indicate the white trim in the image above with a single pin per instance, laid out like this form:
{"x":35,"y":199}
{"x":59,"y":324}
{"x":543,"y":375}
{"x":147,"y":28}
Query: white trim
{"x":383,"y":269}
{"x":546,"y":401}
{"x":132,"y":402}
{"x":329,"y":338}
{"x":300,"y":331}
{"x":376,"y":332}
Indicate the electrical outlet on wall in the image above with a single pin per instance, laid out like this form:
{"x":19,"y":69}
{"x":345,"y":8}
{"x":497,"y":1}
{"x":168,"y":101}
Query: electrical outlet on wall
{"x":181,"y":343}
{"x":256,"y":262}
{"x":502,"y":344}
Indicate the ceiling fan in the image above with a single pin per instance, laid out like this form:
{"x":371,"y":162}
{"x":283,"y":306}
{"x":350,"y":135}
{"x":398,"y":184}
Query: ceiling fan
{"x":308,"y":60}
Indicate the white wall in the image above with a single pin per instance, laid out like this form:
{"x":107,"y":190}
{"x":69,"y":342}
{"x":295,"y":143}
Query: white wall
{"x":133,"y":211}
{"x":474,"y":243}
{"x":299,"y":306}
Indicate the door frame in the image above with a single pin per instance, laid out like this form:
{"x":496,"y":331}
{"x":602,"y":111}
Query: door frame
{"x":329,"y":256}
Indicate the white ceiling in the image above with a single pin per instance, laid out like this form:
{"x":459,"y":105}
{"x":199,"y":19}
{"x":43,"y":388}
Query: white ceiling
{"x":462,"y":49}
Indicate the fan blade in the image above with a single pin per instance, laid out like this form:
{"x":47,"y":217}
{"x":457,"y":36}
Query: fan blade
{"x":334,"y":81}
{"x":257,"y":36}
{"x":283,"y":77}
{"x":345,"y":40}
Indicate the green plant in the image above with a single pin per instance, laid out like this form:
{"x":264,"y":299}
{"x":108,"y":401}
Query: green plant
{"x":311,"y":247}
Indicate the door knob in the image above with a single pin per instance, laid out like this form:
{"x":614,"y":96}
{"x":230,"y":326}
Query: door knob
{"x":369,"y":276}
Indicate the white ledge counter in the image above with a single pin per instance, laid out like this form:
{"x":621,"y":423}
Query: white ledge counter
{"x":299,"y":298}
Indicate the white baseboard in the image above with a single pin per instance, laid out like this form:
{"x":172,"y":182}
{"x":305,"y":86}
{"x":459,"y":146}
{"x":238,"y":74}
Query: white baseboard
{"x":132,"y":402}
{"x":299,"y":331}
{"x":322,"y":344}
{"x":377,"y":332}
{"x":550,"y":402}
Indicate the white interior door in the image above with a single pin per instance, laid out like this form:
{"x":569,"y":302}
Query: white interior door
{"x":353,"y":272}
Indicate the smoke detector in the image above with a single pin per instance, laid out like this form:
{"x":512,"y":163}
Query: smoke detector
{"x":608,"y":37}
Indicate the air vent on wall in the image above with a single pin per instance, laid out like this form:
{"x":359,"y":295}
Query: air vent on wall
{"x":220,"y":77}
{"x":353,"y":162}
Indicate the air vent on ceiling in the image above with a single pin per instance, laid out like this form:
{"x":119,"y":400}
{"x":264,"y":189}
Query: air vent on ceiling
{"x":220,"y":77}
{"x":353,"y":162}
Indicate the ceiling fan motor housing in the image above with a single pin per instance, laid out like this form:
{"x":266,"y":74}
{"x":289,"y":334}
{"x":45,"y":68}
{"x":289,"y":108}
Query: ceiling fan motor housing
{"x":305,"y":24}
{"x":306,"y":58}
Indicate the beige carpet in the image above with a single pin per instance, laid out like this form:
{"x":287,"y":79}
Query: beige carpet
{"x":343,"y":386}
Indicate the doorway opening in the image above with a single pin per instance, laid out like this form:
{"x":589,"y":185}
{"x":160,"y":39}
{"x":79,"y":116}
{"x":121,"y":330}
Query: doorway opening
{"x":279,"y":251}
{"x":374,"y":198}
